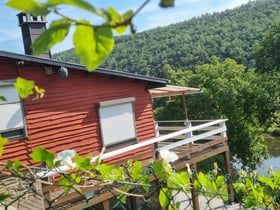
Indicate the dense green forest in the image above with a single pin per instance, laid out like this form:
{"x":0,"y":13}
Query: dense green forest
{"x":227,"y":34}
{"x":233,"y":56}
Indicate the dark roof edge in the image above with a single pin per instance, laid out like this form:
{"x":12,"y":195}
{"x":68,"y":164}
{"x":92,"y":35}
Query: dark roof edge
{"x":81,"y":67}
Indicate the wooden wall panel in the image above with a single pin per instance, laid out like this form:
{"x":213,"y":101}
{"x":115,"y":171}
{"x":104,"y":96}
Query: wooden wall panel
{"x":67,"y":116}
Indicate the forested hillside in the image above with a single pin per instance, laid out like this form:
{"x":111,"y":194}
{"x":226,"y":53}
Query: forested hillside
{"x":227,"y":34}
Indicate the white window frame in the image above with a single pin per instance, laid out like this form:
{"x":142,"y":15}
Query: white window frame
{"x":12,"y":122}
{"x":117,"y":122}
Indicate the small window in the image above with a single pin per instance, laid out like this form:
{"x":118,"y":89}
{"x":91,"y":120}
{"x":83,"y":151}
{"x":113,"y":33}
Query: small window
{"x":117,"y":121}
{"x":12,"y":124}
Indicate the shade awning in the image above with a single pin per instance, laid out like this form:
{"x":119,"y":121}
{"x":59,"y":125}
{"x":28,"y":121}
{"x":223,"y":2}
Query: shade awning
{"x":172,"y":90}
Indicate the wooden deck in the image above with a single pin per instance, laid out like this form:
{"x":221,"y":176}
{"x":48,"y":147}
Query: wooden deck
{"x":192,"y":144}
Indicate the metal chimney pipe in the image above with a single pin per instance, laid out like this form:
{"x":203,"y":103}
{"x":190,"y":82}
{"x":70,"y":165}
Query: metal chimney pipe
{"x":31,"y":28}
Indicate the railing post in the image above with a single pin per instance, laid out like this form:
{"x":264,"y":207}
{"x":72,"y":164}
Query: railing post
{"x":188,"y":124}
{"x":106,"y":205}
{"x":194,"y":192}
{"x":223,"y":125}
{"x":46,"y":196}
{"x":155,"y":145}
{"x":156,"y":129}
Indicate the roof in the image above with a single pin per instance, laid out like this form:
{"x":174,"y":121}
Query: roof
{"x":171,"y":90}
{"x":51,"y":62}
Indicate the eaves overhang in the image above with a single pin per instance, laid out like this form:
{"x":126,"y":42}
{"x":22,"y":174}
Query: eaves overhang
{"x":73,"y":66}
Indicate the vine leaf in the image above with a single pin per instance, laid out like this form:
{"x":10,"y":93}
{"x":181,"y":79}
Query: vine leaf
{"x":4,"y":196}
{"x":42,"y":155}
{"x":77,"y":3}
{"x":92,"y":45}
{"x":3,"y":141}
{"x":163,"y":198}
{"x":24,"y":87}
{"x":57,"y":31}
{"x":34,"y":7}
{"x":166,"y":3}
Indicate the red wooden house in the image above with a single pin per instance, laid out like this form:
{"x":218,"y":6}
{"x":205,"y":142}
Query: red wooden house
{"x":84,"y":111}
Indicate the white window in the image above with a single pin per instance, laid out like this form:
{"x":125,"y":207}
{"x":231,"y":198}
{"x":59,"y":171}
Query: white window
{"x":117,"y":121}
{"x":11,"y":111}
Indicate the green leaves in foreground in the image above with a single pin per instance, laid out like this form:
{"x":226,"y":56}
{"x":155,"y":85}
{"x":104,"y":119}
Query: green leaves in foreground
{"x":56,"y":32}
{"x":92,"y":45}
{"x":26,"y":88}
{"x":42,"y":155}
{"x":35,"y":7}
{"x":4,"y":196}
{"x":3,"y":141}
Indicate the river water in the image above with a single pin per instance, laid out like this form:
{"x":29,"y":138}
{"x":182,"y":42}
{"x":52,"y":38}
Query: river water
{"x":274,"y":160}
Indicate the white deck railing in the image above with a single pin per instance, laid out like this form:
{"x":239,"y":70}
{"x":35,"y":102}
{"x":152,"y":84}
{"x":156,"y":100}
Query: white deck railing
{"x":218,"y":129}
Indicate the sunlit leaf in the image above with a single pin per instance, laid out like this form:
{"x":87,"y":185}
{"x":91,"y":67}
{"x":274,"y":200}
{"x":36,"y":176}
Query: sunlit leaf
{"x":77,"y":178}
{"x":56,"y":32}
{"x":266,"y":180}
{"x":66,"y":182}
{"x":77,"y":3}
{"x":166,"y":3}
{"x":3,"y":141}
{"x":2,"y":98}
{"x":114,"y":18}
{"x":42,"y":155}
{"x":92,"y":46}
{"x":163,"y":198}
{"x":14,"y":166}
{"x":39,"y":91}
{"x":34,"y":7}
{"x":106,"y":171}
{"x":158,"y":169}
{"x":83,"y":163}
{"x":136,"y":170}
{"x":24,"y":87}
{"x":4,"y":196}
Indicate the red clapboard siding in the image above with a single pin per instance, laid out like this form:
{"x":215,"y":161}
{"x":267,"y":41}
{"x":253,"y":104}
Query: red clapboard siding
{"x":67,"y":116}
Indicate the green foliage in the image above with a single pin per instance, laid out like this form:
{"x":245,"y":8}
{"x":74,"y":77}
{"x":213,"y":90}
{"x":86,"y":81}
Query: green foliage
{"x":3,"y":141}
{"x":4,"y":196}
{"x":259,"y":191}
{"x":35,"y":7}
{"x":56,"y":32}
{"x":42,"y":155}
{"x":83,"y":164}
{"x":267,"y":51}
{"x":96,"y":46}
{"x":15,"y":167}
{"x":77,"y":3}
{"x":229,"y":91}
{"x":166,"y":3}
{"x":26,"y":88}
{"x":2,"y":98}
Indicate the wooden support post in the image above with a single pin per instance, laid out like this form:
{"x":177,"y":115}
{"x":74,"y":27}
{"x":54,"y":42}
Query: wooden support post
{"x":229,"y":184}
{"x":133,"y":202}
{"x":106,"y":205}
{"x":194,"y":192}
{"x":46,"y":196}
{"x":185,"y":107}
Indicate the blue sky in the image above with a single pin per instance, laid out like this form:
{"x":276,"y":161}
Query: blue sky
{"x":150,"y":17}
